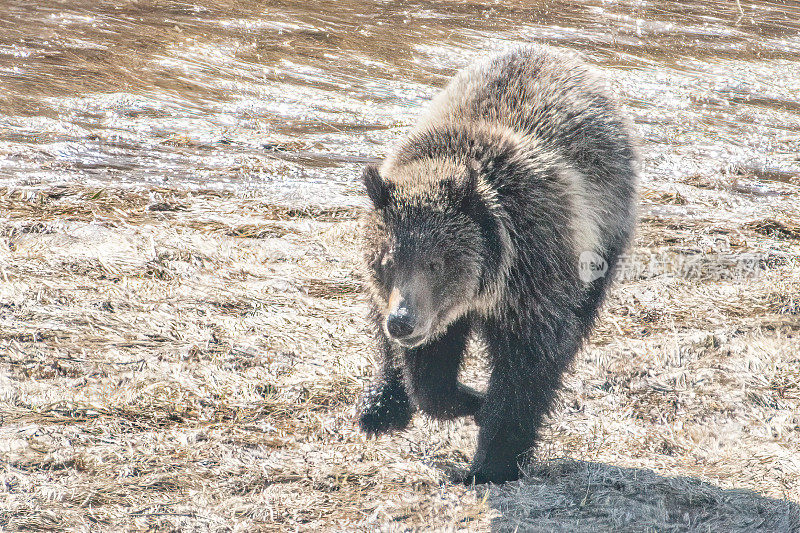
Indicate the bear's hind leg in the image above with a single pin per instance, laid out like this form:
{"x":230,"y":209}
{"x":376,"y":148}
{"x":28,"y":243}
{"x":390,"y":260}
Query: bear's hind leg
{"x":431,"y":375}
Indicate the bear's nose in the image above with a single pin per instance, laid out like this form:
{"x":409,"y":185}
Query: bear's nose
{"x":400,"y":323}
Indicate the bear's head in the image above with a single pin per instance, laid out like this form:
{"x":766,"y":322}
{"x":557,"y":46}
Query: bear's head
{"x":432,"y":246}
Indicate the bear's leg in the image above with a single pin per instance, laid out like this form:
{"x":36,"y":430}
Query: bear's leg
{"x":431,"y":375}
{"x":385,"y":405}
{"x":521,"y":391}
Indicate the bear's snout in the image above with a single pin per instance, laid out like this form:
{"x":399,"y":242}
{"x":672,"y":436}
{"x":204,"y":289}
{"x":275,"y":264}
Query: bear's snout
{"x":400,"y":324}
{"x":407,"y":321}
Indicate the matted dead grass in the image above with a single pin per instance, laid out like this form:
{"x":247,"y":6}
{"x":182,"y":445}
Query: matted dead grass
{"x":188,"y":360}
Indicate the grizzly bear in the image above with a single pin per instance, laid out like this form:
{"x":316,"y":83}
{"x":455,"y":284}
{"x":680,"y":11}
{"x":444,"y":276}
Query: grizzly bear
{"x":484,"y":221}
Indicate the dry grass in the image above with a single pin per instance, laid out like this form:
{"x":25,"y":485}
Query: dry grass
{"x":188,"y":360}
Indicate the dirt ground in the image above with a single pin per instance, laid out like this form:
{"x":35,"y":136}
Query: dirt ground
{"x":189,"y":360}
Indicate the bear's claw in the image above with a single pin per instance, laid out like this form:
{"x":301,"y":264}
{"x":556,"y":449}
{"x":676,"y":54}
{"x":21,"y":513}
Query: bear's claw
{"x":496,"y":474}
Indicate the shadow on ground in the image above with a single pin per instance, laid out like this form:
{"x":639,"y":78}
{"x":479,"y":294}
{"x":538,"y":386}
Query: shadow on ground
{"x":581,"y":496}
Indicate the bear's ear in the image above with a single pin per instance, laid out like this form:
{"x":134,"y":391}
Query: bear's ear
{"x":468,"y":190}
{"x":377,"y":189}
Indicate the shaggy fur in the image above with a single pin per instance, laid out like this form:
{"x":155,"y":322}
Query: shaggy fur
{"x":480,"y":217}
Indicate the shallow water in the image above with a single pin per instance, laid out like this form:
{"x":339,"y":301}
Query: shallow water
{"x":291,"y":97}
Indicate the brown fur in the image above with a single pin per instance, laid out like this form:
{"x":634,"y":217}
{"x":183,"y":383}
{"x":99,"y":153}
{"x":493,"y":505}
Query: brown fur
{"x":480,"y":218}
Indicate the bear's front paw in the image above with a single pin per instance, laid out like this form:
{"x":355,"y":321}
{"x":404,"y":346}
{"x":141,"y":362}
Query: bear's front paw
{"x":384,"y":407}
{"x":491,"y":473}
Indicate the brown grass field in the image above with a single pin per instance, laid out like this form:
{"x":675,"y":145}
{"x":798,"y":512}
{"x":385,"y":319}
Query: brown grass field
{"x":180,"y":360}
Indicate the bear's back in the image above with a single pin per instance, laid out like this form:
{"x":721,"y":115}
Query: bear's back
{"x":552,"y":97}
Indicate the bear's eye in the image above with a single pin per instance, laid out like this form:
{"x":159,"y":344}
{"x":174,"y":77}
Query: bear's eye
{"x":436,"y":265}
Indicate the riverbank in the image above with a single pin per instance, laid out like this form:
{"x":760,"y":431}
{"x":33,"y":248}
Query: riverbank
{"x":189,"y":359}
